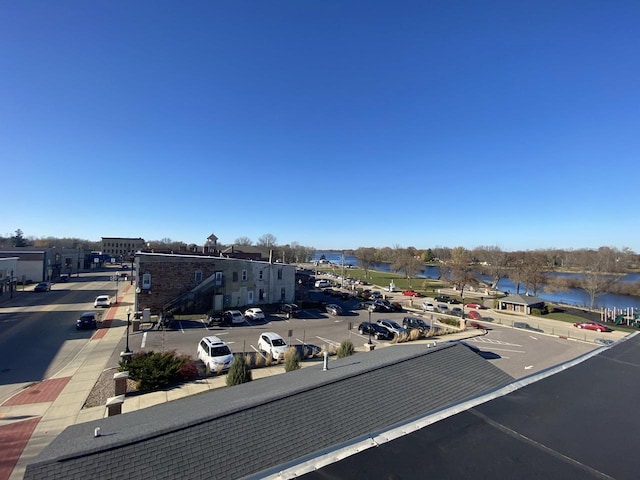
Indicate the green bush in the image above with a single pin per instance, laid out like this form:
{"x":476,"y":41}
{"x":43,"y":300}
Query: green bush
{"x":450,"y":321}
{"x":291,"y":359}
{"x":155,"y":370}
{"x":345,"y":349}
{"x":239,"y":372}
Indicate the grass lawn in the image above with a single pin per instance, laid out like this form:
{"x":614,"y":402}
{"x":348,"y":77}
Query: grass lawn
{"x":426,"y":286}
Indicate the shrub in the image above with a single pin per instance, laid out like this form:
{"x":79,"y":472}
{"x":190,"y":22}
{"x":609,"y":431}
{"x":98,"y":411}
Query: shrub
{"x":258,"y":360}
{"x":155,"y":370}
{"x":239,"y":372}
{"x":345,"y":349}
{"x":415,"y":334}
{"x":291,"y":359}
{"x":454,"y":322}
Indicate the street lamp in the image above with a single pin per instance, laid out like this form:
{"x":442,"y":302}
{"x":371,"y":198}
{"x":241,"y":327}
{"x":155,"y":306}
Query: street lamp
{"x":369,"y":309}
{"x":117,"y":276}
{"x":126,"y":349}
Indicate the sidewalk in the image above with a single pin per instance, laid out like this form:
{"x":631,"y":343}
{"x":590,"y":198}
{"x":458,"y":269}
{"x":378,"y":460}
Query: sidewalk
{"x":32,"y":418}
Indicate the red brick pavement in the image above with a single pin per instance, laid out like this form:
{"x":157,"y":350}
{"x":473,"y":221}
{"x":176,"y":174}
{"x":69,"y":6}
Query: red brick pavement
{"x":45,"y":391}
{"x":14,"y":438}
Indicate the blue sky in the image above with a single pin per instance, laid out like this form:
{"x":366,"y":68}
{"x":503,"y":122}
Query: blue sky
{"x":331,"y":124}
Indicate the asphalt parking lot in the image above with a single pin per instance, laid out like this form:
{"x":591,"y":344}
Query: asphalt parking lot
{"x":518,"y":352}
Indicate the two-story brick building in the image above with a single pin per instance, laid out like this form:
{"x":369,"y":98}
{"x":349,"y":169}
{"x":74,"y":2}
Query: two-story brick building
{"x":197,"y":284}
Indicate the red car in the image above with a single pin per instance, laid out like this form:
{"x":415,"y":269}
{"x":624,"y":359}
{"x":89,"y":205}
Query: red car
{"x":474,"y":315}
{"x":474,"y":305}
{"x":598,"y":327}
{"x":410,"y":293}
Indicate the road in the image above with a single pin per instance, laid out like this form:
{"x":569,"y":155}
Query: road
{"x":38,"y":337}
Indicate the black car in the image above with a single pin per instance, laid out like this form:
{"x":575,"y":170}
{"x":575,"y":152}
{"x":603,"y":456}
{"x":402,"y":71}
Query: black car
{"x":290,"y":310}
{"x":87,"y":320}
{"x":442,"y":298}
{"x":42,"y":287}
{"x":377,"y":331}
{"x":383,"y":306}
{"x":414,"y":323}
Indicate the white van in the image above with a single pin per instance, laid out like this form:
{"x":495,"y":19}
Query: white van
{"x":322,"y":284}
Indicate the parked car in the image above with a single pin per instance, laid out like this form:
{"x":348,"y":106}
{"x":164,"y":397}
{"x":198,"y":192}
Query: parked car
{"x":393,"y":327}
{"x":477,"y":306}
{"x":64,"y":278}
{"x":333,"y":309}
{"x":442,"y":298}
{"x":366,"y":305}
{"x":233,"y":317}
{"x":457,"y":311}
{"x":290,"y":310}
{"x":87,"y":320}
{"x":415,"y":323}
{"x":474,"y":315}
{"x":254,"y":313}
{"x":377,"y":331}
{"x":215,"y":354}
{"x":443,"y":308}
{"x":598,"y":327}
{"x":42,"y":287}
{"x":322,"y":283}
{"x":428,"y":307}
{"x":383,"y":306}
{"x":525,"y":326}
{"x":411,"y":293}
{"x":375,"y":294}
{"x":270,"y":343}
{"x":103,"y":301}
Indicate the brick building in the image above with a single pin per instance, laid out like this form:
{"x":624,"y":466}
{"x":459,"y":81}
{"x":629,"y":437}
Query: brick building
{"x":121,"y":248}
{"x":197,"y":284}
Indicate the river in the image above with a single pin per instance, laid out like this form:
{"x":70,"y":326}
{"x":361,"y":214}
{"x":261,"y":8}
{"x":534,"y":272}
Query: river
{"x":573,"y":296}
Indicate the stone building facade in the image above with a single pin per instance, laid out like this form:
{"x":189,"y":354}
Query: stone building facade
{"x":198,"y":284}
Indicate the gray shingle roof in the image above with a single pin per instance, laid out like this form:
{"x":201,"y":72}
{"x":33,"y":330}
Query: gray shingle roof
{"x":522,"y":299}
{"x":239,"y":431}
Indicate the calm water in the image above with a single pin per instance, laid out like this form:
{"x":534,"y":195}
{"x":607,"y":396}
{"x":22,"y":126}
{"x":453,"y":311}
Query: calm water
{"x":572,"y":296}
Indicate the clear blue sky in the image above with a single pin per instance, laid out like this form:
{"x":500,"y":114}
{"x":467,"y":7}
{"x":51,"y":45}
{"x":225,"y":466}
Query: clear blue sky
{"x":335,"y":124}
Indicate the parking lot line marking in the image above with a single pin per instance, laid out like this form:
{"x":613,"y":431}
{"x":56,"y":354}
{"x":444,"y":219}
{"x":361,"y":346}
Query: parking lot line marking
{"x":528,"y":367}
{"x":144,"y":340}
{"x":326,"y":340}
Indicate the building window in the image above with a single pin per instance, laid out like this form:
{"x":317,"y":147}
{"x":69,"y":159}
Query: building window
{"x":235,"y":276}
{"x":261,"y":294}
{"x":283,"y":293}
{"x":198,"y":276}
{"x":280,"y":274}
{"x":146,"y":281}
{"x":219,"y":279}
{"x":260,"y":275}
{"x":244,"y":275}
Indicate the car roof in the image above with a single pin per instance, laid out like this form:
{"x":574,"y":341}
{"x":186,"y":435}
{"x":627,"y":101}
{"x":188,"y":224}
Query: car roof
{"x":102,"y":296}
{"x":89,"y":314}
{"x":213,"y":340}
{"x":271,"y":335}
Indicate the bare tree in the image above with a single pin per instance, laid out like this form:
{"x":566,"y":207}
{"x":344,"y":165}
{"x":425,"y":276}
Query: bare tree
{"x":493,"y":261}
{"x":600,"y":271}
{"x":460,"y":271}
{"x":366,"y":257}
{"x":245,"y":241}
{"x":408,"y":263}
{"x":515,"y":262}
{"x":534,"y":271}
{"x":267,"y":240}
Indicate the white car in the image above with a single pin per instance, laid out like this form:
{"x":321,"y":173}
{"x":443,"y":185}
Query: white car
{"x":428,"y":307}
{"x":273,"y":344}
{"x":254,"y":313}
{"x":233,"y":317}
{"x":215,"y":354}
{"x":322,"y":284}
{"x":103,"y":301}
